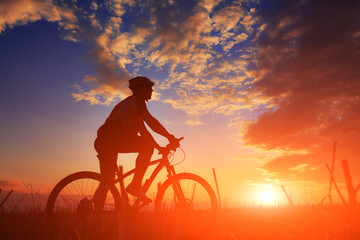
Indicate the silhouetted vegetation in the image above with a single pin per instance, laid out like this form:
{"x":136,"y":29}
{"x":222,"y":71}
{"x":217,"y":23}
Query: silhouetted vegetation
{"x":257,"y":223}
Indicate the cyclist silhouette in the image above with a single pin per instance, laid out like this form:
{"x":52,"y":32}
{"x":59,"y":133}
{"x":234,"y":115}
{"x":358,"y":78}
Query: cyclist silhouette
{"x":120,"y":134}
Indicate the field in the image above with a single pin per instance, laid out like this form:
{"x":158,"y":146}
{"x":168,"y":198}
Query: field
{"x":256,"y":223}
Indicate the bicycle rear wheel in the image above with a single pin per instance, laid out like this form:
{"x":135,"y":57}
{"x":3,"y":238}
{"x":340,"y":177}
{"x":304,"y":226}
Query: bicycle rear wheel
{"x":70,"y":208}
{"x":187,"y":206}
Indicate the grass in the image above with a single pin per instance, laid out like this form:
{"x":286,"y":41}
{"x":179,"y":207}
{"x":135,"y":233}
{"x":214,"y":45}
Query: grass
{"x":27,"y":223}
{"x":307,"y":222}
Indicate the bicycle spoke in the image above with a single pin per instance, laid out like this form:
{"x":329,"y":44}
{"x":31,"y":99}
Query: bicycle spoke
{"x":193,"y":194}
{"x":70,"y":209}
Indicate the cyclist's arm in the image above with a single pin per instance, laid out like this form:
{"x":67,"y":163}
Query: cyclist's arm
{"x":155,"y":125}
{"x":147,"y":135}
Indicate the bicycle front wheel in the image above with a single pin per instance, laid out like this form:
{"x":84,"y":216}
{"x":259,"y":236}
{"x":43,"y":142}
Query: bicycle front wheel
{"x":187,"y":206}
{"x":70,"y":208}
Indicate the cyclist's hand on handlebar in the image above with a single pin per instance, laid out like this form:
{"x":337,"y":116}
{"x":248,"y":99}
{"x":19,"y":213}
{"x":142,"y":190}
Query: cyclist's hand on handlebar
{"x":174,"y":142}
{"x":173,"y":145}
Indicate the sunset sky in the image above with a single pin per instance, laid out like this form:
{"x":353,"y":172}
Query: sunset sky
{"x":260,"y":90}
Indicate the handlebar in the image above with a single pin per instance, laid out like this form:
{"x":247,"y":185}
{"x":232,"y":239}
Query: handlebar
{"x":169,"y":147}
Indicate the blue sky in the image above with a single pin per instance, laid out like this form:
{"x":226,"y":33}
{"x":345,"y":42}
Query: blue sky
{"x":260,"y":91}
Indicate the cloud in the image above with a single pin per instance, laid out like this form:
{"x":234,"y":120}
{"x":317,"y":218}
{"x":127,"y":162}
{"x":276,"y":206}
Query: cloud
{"x":227,"y":18}
{"x":184,"y":43}
{"x":16,"y":13}
{"x":307,"y":64}
{"x":11,"y":185}
{"x":6,"y":184}
{"x":109,"y":84}
{"x":194,"y":122}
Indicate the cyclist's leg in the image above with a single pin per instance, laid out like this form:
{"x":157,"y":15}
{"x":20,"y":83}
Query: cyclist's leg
{"x":107,"y":154}
{"x":137,"y":144}
{"x":107,"y":160}
{"x":107,"y":163}
{"x":142,"y":162}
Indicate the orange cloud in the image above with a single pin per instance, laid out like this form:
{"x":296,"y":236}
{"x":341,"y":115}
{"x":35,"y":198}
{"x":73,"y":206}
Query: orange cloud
{"x":15,"y":13}
{"x":194,"y":122}
{"x":227,"y":18}
{"x":183,"y":43}
{"x":308,"y":66}
{"x":5,"y":184}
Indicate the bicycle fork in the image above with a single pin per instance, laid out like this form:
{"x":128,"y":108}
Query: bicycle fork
{"x":178,"y":192}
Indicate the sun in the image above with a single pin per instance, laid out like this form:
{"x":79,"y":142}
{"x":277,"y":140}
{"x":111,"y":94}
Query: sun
{"x":266,"y":197}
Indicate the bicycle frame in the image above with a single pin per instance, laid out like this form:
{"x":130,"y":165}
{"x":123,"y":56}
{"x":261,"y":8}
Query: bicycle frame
{"x":162,"y":162}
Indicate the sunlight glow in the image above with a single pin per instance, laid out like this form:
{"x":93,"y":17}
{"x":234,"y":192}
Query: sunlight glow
{"x":265,"y":197}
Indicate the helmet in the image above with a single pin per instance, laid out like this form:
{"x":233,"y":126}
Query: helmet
{"x":140,"y":81}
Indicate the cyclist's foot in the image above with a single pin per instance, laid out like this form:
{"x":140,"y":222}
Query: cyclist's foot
{"x":138,"y":193}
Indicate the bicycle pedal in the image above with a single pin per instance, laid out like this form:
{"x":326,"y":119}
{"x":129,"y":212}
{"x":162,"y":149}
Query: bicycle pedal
{"x":139,"y":195}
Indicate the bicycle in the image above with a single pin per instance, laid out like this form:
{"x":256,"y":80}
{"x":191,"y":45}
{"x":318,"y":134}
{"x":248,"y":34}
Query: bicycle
{"x":183,"y":202}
